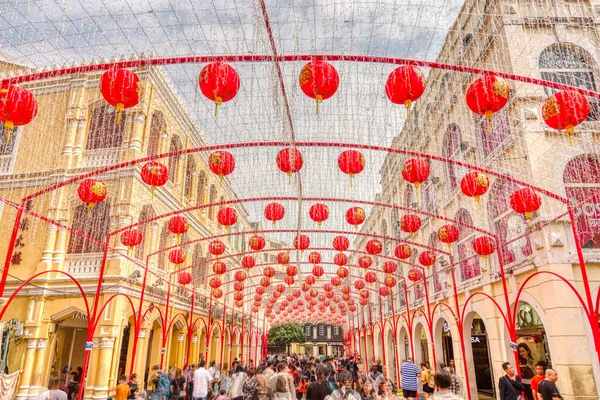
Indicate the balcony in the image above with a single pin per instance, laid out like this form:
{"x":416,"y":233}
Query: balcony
{"x":83,"y":265}
{"x":6,"y":164}
{"x":100,"y":157}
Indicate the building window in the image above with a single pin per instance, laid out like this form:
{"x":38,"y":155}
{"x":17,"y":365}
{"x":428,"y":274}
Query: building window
{"x":94,"y":226}
{"x":492,"y":137}
{"x":190,"y":170}
{"x":158,"y":126}
{"x":147,"y":212}
{"x":164,"y":237}
{"x":307,"y":330}
{"x":568,"y":64}
{"x":321,"y":330}
{"x":201,"y":199}
{"x":211,"y":201}
{"x":469,"y":266}
{"x":7,"y":147}
{"x":336,"y":330}
{"x":582,"y":180}
{"x":199,"y":266}
{"x":104,"y":131}
{"x":451,"y":149}
{"x":174,"y":160}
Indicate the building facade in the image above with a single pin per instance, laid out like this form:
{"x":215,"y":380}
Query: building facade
{"x":323,"y":340}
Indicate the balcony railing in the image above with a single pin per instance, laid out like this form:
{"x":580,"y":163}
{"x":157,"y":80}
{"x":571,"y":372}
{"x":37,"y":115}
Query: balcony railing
{"x":6,"y":164}
{"x":100,"y":157}
{"x":83,"y":265}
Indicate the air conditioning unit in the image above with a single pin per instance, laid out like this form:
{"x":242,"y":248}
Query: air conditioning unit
{"x":18,"y":329}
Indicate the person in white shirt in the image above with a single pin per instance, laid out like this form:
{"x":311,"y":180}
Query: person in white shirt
{"x":53,"y":393}
{"x":202,"y":381}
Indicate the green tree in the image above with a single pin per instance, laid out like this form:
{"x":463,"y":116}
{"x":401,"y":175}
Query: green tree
{"x":284,"y":334}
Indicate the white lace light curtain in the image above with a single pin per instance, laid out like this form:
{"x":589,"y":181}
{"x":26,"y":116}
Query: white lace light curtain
{"x":8,"y":385}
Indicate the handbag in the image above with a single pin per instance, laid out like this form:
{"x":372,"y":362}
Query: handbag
{"x":519,"y":396}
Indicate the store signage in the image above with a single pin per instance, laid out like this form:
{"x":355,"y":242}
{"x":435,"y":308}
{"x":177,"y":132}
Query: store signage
{"x":446,"y":327}
{"x":88,"y":346}
{"x":513,"y":346}
{"x":162,"y":350}
{"x":475,"y":339}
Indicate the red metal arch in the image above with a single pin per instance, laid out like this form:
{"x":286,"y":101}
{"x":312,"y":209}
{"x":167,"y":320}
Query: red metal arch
{"x":464,"y":308}
{"x":440,"y":304}
{"x":133,"y":310}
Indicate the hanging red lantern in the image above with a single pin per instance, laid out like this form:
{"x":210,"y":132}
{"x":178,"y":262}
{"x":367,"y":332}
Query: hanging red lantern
{"x":402,"y":251}
{"x":363,"y":301}
{"x":370,"y":277}
{"x":238,"y":286}
{"x":265,"y":281}
{"x":488,"y":95}
{"x":415,"y":274}
{"x":319,"y":80}
{"x":260,"y":290}
{"x":219,"y":268}
{"x":359,"y":285}
{"x":178,"y":225}
{"x":283,"y":258}
{"x":384,"y":291}
{"x":296,"y":293}
{"x":184,"y":278}
{"x":240,"y":276}
{"x":328,"y":287}
{"x":389,"y":281}
{"x":214,"y":283}
{"x":341,"y":243}
{"x":364,"y":294}
{"x":18,"y":107}
{"x":289,"y":297}
{"x":474,"y":184}
{"x":269,"y":272}
{"x":154,"y":174}
{"x":314,"y":257}
{"x":216,"y":248}
{"x":238,"y":296}
{"x":254,"y":309}
{"x":217,"y":293}
{"x":410,"y":223}
{"x":221,"y":163}
{"x":427,"y":258}
{"x":389,"y":267}
{"x":346,"y":289}
{"x":291,"y":270}
{"x":352,"y":308}
{"x":305,"y":287}
{"x":340,"y":259}
{"x":248,"y":262}
{"x":310,"y":280}
{"x":274,"y":212}
{"x":177,"y":256}
{"x":301,"y":242}
{"x":318,"y":271}
{"x":219,"y":82}
{"x":120,"y":88}
{"x":257,"y":243}
{"x":131,"y":238}
{"x":280,"y":288}
{"x":448,"y":234}
{"x":351,"y":162}
{"x":484,"y":246}
{"x":91,"y":192}
{"x":374,"y":247}
{"x":565,"y":110}
{"x":319,"y":213}
{"x":415,"y":171}
{"x":525,"y":201}
{"x":289,"y":280}
{"x":239,"y":304}
{"x":336,"y":281}
{"x":342,"y":272}
{"x":365,"y":262}
{"x":405,"y":85}
{"x":355,"y":216}
{"x":289,"y":160}
{"x":227,"y":217}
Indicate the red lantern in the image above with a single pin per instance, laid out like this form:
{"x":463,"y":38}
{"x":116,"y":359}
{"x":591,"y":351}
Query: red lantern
{"x":336,"y":281}
{"x":318,"y":271}
{"x":374,"y":247}
{"x":314,"y":257}
{"x":291,"y":270}
{"x":565,"y":110}
{"x":525,"y":201}
{"x":370,"y":277}
{"x":359,"y":285}
{"x":355,"y":216}
{"x":351,"y":162}
{"x":154,"y":174}
{"x":260,"y":290}
{"x":487,"y":96}
{"x":296,"y":294}
{"x":120,"y":88}
{"x":345,"y":289}
{"x":341,"y":243}
{"x":319,"y":80}
{"x":340,"y":259}
{"x":177,"y":256}
{"x":427,"y":258}
{"x":178,"y":225}
{"x":342,"y":272}
{"x":415,"y":274}
{"x":405,"y":85}
{"x":310,"y":280}
{"x":389,"y":267}
{"x":184,"y":278}
{"x":17,"y":107}
{"x":238,"y":286}
{"x":91,"y":192}
{"x":389,"y":281}
{"x":384,"y":291}
{"x":274,"y":212}
{"x":221,"y":163}
{"x":289,"y":280}
{"x":240,"y":276}
{"x":410,"y":223}
{"x":305,"y":287}
{"x":365,"y":262}
{"x":217,"y":293}
{"x":269,"y":272}
{"x":280,"y":288}
{"x":257,"y":243}
{"x":265,"y":281}
{"x":289,"y":160}
{"x":402,"y":251}
{"x":364,"y":294}
{"x":238,"y":296}
{"x":319,"y":212}
{"x":214,"y":283}
{"x":474,"y":184}
{"x":219,"y":268}
{"x":415,"y":171}
{"x":239,"y":304}
{"x":352,"y":308}
{"x":328,"y":287}
{"x":301,"y":242}
{"x":131,"y":238}
{"x":484,"y":246}
{"x":219,"y":82}
{"x":283,"y":258}
{"x":216,"y":248}
{"x":248,"y":262}
{"x":448,"y":234}
{"x":363,"y":301}
{"x":227,"y":217}
{"x":254,"y":309}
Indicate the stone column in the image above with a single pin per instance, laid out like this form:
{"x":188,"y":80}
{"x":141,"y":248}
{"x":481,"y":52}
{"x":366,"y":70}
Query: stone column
{"x":48,"y":253}
{"x":92,"y":368}
{"x":194,"y":354}
{"x":80,"y":143}
{"x":315,"y":350}
{"x":140,"y":356}
{"x":180,"y":349}
{"x":153,"y":240}
{"x":136,"y":141}
{"x":107,"y":345}
{"x":61,"y":247}
{"x":40,"y":360}
{"x":329,"y":350}
{"x":26,"y":381}
{"x":67,"y":154}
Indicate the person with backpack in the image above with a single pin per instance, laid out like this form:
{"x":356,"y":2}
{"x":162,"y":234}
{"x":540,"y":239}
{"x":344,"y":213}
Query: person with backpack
{"x":249,"y":387}
{"x":302,"y":386}
{"x":344,"y":391}
{"x":162,"y":385}
{"x":374,"y":376}
{"x":427,"y":380}
{"x":319,"y":389}
{"x":178,"y":386}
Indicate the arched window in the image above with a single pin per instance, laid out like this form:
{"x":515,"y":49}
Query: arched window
{"x":492,"y":137}
{"x":507,"y":224}
{"x":211,"y":200}
{"x":397,"y":232}
{"x":451,"y":149}
{"x":199,"y":266}
{"x":582,"y":180}
{"x":469,"y":265}
{"x":409,"y":197}
{"x":157,"y":127}
{"x":174,"y":160}
{"x":147,"y":212}
{"x":162,"y":243}
{"x":434,"y":242}
{"x":7,"y":147}
{"x":570,"y":65}
{"x":190,"y":170}
{"x":384,"y":241}
{"x":94,"y":226}
{"x":201,"y":188}
{"x":104,"y":131}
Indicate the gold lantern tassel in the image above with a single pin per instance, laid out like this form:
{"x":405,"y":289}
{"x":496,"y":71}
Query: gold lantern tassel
{"x":319,"y":225}
{"x":351,"y":179}
{"x":408,"y":105}
{"x":120,"y":108}
{"x":90,"y":209}
{"x":152,"y":189}
{"x":318,"y":99}
{"x":417,"y":184}
{"x":218,"y":102}
{"x":289,"y":174}
{"x":220,"y":181}
{"x":9,"y":125}
{"x":570,"y":130}
{"x":489,"y":114}
{"x":478,"y":201}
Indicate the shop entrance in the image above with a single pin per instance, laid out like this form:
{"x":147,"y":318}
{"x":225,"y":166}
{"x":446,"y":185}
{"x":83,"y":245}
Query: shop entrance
{"x":481,"y":357}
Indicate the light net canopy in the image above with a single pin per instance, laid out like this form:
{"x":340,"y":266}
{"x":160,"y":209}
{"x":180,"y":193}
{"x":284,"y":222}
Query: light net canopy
{"x":270,"y":107}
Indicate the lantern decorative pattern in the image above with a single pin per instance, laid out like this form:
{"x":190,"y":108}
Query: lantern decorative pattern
{"x":389,"y":281}
{"x":184,"y":278}
{"x":310,"y":280}
{"x":336,"y":281}
{"x":283,"y":258}
{"x":389,"y":267}
{"x":427,"y":258}
{"x":415,"y":171}
{"x":484,"y":246}
{"x":319,"y":80}
{"x":291,"y":270}
{"x":178,"y":225}
{"x":219,"y":82}
{"x":384,"y":291}
{"x":257,"y":243}
{"x":216,"y":248}
{"x":18,"y":107}
{"x":403,"y":251}
{"x":355,"y":216}
{"x":525,"y":201}
{"x":565,"y":110}
{"x":177,"y":256}
{"x":248,"y":262}
{"x":487,"y":96}
{"x":318,"y":271}
{"x":221,"y":163}
{"x":410,"y":223}
{"x":314,"y":257}
{"x":269,"y":272}
{"x":370,"y":277}
{"x":120,"y":88}
{"x":301,"y":242}
{"x":474,"y":184}
{"x":131,"y":238}
{"x":448,"y":234}
{"x":342,"y":272}
{"x":240,"y":276}
{"x":227,"y":217}
{"x":91,"y":192}
{"x":341,"y":243}
{"x":319,"y":212}
{"x":289,"y":160}
{"x":365,"y":262}
{"x":154,"y":174}
{"x":214,"y":282}
{"x":374,"y":247}
{"x":265,"y":281}
{"x":217,"y":293}
{"x":359,"y":285}
{"x":274,"y":212}
{"x":219,"y":268}
{"x":415,"y":274}
{"x":405,"y":85}
{"x":340,"y":259}
{"x":351,"y":162}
